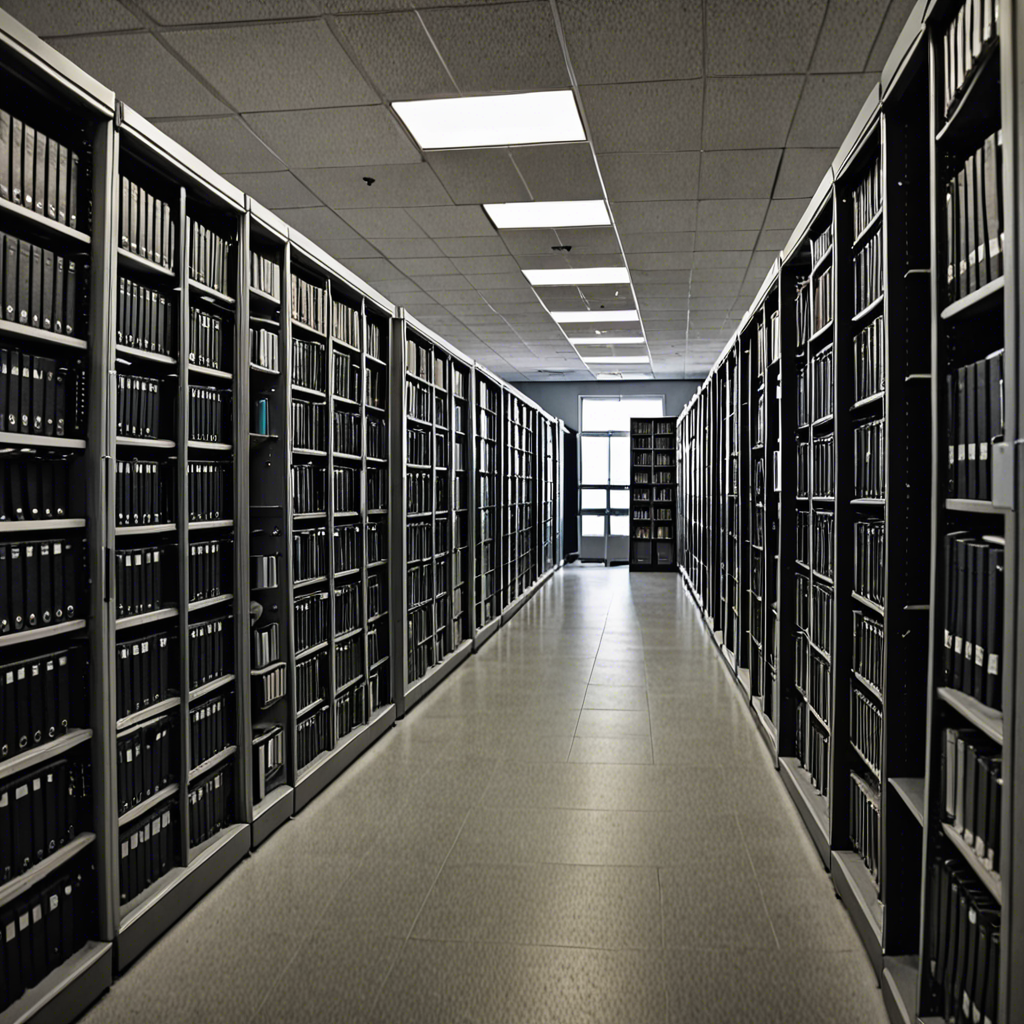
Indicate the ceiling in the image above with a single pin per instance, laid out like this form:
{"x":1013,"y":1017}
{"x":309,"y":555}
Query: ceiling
{"x":709,"y":125}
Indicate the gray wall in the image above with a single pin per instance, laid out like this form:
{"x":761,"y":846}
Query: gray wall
{"x":561,"y":398}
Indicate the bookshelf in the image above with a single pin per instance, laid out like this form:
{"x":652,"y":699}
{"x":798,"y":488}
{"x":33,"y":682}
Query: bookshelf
{"x":239,"y":437}
{"x":53,"y":515}
{"x":433,"y":505}
{"x":890,"y":560}
{"x":652,"y":494}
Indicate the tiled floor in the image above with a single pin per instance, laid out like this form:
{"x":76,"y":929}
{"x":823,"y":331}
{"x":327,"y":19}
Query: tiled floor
{"x":580,"y":824}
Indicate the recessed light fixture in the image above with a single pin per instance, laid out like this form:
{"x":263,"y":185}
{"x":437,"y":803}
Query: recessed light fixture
{"x":605,"y":316}
{"x":574,"y":213}
{"x":607,"y":341}
{"x":517,"y":119}
{"x":615,"y":359}
{"x":578,"y":275}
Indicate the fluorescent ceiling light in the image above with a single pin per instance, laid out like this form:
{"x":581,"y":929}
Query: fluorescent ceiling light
{"x":570,"y":316}
{"x":615,"y":359}
{"x":575,"y":213}
{"x":519,"y":119}
{"x":578,"y":275}
{"x":606,"y":341}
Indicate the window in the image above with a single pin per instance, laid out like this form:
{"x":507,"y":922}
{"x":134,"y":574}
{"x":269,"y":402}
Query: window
{"x":604,"y":470}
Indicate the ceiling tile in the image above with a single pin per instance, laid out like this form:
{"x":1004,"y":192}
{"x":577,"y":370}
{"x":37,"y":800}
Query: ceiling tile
{"x":457,"y":296}
{"x":802,"y":171}
{"x":775,"y":239}
{"x":319,"y":223}
{"x":407,"y":248}
{"x":452,"y":221}
{"x":274,"y":189}
{"x":660,"y":260}
{"x":382,"y":223}
{"x":427,"y":266}
{"x":254,"y":67}
{"x":498,"y":296}
{"x":738,"y":174}
{"x":731,"y":214}
{"x":660,"y":276}
{"x":486,"y":265}
{"x":142,"y":74}
{"x":397,"y":56}
{"x":646,"y":176}
{"x":563,"y":261}
{"x":646,"y":291}
{"x":659,"y":241}
{"x":478,"y":175}
{"x":336,"y":137}
{"x":472,"y":246}
{"x":721,"y":259}
{"x":588,"y":242}
{"x":499,"y":47}
{"x":622,"y":41}
{"x":848,"y":34}
{"x":373,"y":270}
{"x":511,"y":279}
{"x":644,"y":116}
{"x":745,"y":38}
{"x":895,"y":18}
{"x":664,"y":302}
{"x":394,"y":185}
{"x":716,"y":240}
{"x":58,"y":17}
{"x":644,"y":218}
{"x":750,"y":113}
{"x":784,"y":213}
{"x":189,"y":12}
{"x":346,"y":249}
{"x":730,"y":274}
{"x":558,"y":172}
{"x":707,"y":289}
{"x":436,"y":284}
{"x":225,"y":143}
{"x":827,"y":108}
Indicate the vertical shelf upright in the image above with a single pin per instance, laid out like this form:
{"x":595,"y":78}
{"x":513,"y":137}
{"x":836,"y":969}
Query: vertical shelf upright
{"x":652,"y":494}
{"x":272,"y":751}
{"x":61,"y":640}
{"x":488,"y":434}
{"x":177,"y":278}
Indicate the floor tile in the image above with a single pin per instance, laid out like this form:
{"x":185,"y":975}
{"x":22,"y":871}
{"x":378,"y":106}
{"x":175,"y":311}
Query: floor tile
{"x":611,"y":723}
{"x":612,"y":749}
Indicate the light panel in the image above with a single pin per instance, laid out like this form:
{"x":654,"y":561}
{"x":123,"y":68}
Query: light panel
{"x":575,"y":213}
{"x":569,"y":316}
{"x":607,"y":341}
{"x":469,"y":122}
{"x":578,"y":276}
{"x":615,"y":359}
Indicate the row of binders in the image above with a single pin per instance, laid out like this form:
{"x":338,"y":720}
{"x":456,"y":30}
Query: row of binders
{"x":309,"y":364}
{"x":971,"y":29}
{"x":38,"y":395}
{"x":347,"y":432}
{"x":209,"y":414}
{"x":346,"y":547}
{"x":38,"y":172}
{"x":263,"y":348}
{"x":345,"y":323}
{"x":38,"y":288}
{"x":309,"y":425}
{"x":309,"y":488}
{"x":869,"y":360}
{"x":38,"y":584}
{"x":209,"y":256}
{"x":264,"y":274}
{"x":209,"y":647}
{"x":974,"y":422}
{"x":143,"y":672}
{"x":309,"y":304}
{"x":866,"y":729}
{"x":311,"y":682}
{"x":145,"y":318}
{"x":138,"y":407}
{"x":209,"y":807}
{"x":974,"y":221}
{"x":146,"y":762}
{"x":143,"y":491}
{"x":972,"y":785}
{"x":866,"y":198}
{"x":309,"y":554}
{"x":866,"y":823}
{"x":208,"y":499}
{"x":266,"y":645}
{"x":34,"y":489}
{"x":209,"y":729}
{"x":146,"y":225}
{"x":139,"y":580}
{"x":346,"y":376}
{"x":868,"y":273}
{"x":268,"y":760}
{"x":205,"y":568}
{"x":206,"y":335}
{"x":263,"y":572}
{"x":310,"y":615}
{"x":271,"y":686}
{"x":869,"y":460}
{"x":973,"y":630}
{"x":868,"y":648}
{"x":346,"y":489}
{"x":40,"y":699}
{"x":869,"y":559}
{"x":39,"y":813}
{"x":148,"y":851}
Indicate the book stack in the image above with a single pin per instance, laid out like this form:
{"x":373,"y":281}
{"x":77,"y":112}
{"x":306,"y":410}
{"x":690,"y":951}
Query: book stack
{"x":209,"y":651}
{"x":147,"y":225}
{"x":975,"y":412}
{"x":39,"y":172}
{"x":144,"y":669}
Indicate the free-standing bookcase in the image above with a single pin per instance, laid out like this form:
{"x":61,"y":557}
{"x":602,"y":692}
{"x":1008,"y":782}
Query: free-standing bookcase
{"x":652,"y":494}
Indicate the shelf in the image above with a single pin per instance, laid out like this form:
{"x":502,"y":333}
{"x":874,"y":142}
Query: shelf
{"x":989,"y":721}
{"x":130,"y":352}
{"x":148,"y":804}
{"x":821,"y":421}
{"x":349,"y":456}
{"x":144,"y":618}
{"x":868,"y":228}
{"x":25,"y":333}
{"x":8,"y":439}
{"x":307,"y":329}
{"x":305,"y":517}
{"x":48,"y":225}
{"x":209,"y":371}
{"x":40,"y":525}
{"x":44,"y":752}
{"x":212,"y":524}
{"x":42,"y":633}
{"x":863,"y":403}
{"x":911,"y":792}
{"x":874,"y":305}
{"x":963,"y":119}
{"x":214,"y":684}
{"x":867,"y":603}
{"x":974,"y":505}
{"x":210,"y":602}
{"x":262,"y":296}
{"x":301,"y":389}
{"x":309,"y":583}
{"x":257,"y":439}
{"x":38,"y":872}
{"x":989,"y":879}
{"x":146,"y":714}
{"x":868,"y":502}
{"x":256,"y":368}
{"x":146,"y":442}
{"x":346,"y":572}
{"x":825,"y":259}
{"x":986,"y":297}
{"x":134,"y":261}
{"x":210,"y":446}
{"x":819,"y":333}
{"x":205,"y":292}
{"x":822,"y":578}
{"x":212,"y":762}
{"x":267,"y":668}
{"x":309,"y":708}
{"x":869,"y":686}
{"x":315,"y":649}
